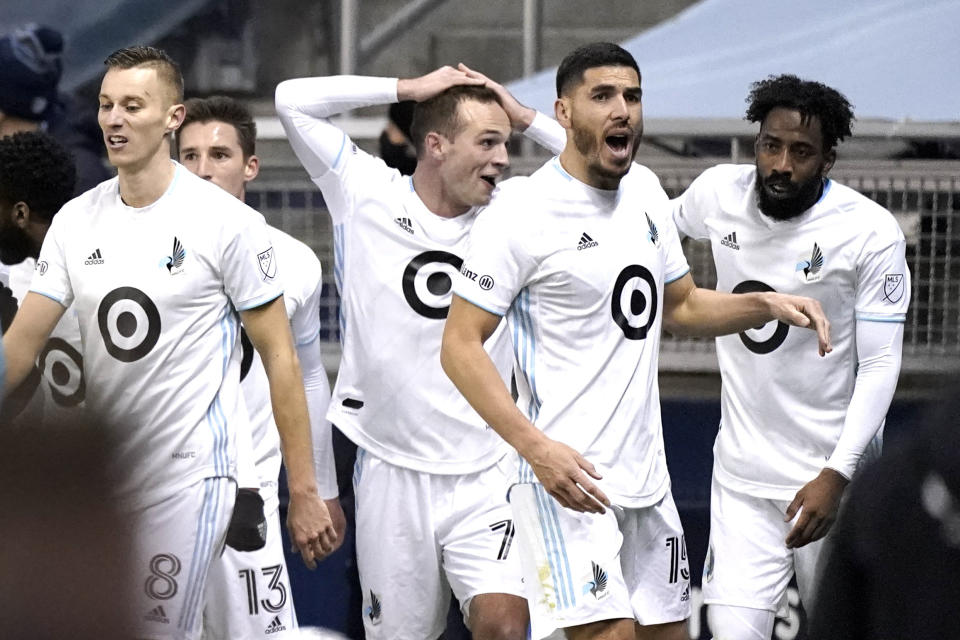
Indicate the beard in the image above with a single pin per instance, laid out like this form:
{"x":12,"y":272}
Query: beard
{"x":15,"y":245}
{"x":792,"y":203}
{"x":589,"y":147}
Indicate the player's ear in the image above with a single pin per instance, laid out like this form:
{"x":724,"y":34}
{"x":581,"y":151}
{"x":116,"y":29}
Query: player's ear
{"x":434,"y":145}
{"x":561,"y":109}
{"x":829,"y":158}
{"x":175,"y":115}
{"x":251,"y":168}
{"x":20,"y":214}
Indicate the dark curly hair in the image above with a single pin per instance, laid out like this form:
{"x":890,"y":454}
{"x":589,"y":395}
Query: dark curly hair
{"x":809,"y":98}
{"x":36,"y":169}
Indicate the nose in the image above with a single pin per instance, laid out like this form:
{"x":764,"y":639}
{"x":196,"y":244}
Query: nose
{"x":112,"y":117}
{"x":618,"y":108}
{"x":203,"y":167}
{"x":501,"y":159}
{"x":782,"y":162}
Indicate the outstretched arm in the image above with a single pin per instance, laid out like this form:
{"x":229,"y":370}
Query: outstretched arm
{"x":31,"y":328}
{"x":690,"y":310}
{"x":564,"y":473}
{"x":308,"y":520}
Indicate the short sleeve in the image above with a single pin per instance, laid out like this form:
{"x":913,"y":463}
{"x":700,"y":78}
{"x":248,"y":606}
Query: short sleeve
{"x":249,"y":265}
{"x":690,"y":208}
{"x":51,"y":278}
{"x":883,"y":280}
{"x":675,"y":262}
{"x":497,"y":264}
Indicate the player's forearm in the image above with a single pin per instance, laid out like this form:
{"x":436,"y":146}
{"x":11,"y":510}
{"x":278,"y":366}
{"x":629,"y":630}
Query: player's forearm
{"x":293,"y":423}
{"x":27,"y":335}
{"x":879,"y":348}
{"x":469,"y":367}
{"x":545,"y":131}
{"x":706,"y":313}
{"x":323,"y":97}
{"x":317,"y":390}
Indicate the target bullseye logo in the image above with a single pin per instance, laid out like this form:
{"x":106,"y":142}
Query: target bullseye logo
{"x":762,"y":340}
{"x":634,"y":301}
{"x":62,"y":368}
{"x":428,"y":283}
{"x":129,"y":323}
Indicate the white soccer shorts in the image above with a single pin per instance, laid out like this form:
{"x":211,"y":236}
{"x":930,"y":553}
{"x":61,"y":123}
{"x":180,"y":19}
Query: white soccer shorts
{"x":248,"y":592}
{"x":748,"y":564}
{"x":580,"y":568}
{"x":175,"y":543}
{"x":419,"y":535}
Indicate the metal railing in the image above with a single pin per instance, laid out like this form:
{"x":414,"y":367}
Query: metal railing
{"x":923,"y":195}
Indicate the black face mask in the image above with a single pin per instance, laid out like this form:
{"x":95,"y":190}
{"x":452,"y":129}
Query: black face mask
{"x":15,"y":245}
{"x":797,"y":199}
{"x":402,"y":157}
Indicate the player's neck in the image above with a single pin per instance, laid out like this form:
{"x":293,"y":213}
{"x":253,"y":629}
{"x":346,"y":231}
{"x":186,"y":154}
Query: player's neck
{"x":579,"y":168}
{"x":429,"y":187}
{"x":143,"y":185}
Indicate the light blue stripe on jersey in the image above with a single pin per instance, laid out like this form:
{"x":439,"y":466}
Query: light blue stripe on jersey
{"x":896,"y":318}
{"x":343,"y":144}
{"x":213,"y":489}
{"x":48,"y":295}
{"x":555,"y":548}
{"x":668,"y":280}
{"x":338,"y":262}
{"x":358,"y":467}
{"x":524,"y":346}
{"x":826,"y":189}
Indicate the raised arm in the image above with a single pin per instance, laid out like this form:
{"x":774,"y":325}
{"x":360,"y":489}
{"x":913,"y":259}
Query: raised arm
{"x":308,"y":520}
{"x":305,"y":104}
{"x":690,"y":310}
{"x":564,"y":473}
{"x":540,"y":128}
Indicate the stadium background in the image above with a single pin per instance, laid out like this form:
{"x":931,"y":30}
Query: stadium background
{"x":244,"y":47}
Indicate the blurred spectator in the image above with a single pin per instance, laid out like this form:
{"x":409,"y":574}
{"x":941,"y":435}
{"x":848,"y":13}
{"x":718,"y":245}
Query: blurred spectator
{"x":30,"y":68}
{"x":395,"y":146}
{"x":893,"y":570}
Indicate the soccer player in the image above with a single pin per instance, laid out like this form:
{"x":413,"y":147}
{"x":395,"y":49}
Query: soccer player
{"x":431,"y":513}
{"x":158,"y":263}
{"x":249,"y":594}
{"x":587,"y":270}
{"x":794,"y":425}
{"x":37,"y":177}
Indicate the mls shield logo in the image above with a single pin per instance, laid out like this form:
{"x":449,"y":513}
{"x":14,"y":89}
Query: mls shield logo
{"x":893,"y":287}
{"x":268,"y":265}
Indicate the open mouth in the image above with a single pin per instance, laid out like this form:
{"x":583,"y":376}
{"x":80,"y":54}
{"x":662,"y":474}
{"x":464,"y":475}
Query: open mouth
{"x":115,"y":142}
{"x":491,"y":180}
{"x":619,"y":144}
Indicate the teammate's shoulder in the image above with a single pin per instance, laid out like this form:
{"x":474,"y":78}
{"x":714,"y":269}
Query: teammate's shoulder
{"x":287,"y":244}
{"x":90,"y":200}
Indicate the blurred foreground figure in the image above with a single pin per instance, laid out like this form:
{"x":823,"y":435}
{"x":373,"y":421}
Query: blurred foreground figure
{"x":892,"y":570}
{"x":64,"y":572}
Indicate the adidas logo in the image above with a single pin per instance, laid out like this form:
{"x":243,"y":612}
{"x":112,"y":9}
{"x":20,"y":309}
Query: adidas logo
{"x":275,"y":626}
{"x":731,"y":241}
{"x":586,"y":242}
{"x":405,"y":224}
{"x":95,"y":258}
{"x":157,"y":614}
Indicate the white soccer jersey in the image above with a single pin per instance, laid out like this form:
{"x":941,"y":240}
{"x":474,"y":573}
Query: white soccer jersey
{"x":301,"y":280}
{"x":580,"y":273}
{"x":394,"y":264}
{"x":783,"y":406}
{"x":156,"y":290}
{"x":60,"y":361}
